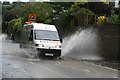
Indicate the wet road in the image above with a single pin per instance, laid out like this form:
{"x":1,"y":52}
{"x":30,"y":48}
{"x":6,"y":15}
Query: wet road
{"x":16,"y":64}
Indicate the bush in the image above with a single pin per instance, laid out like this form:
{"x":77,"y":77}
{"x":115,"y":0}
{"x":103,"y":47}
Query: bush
{"x":113,"y":18}
{"x":101,"y":20}
{"x":15,"y":25}
{"x":64,"y":19}
{"x":79,"y":15}
{"x":119,"y":18}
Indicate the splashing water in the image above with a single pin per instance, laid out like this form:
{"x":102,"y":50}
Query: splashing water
{"x":82,"y":45}
{"x":7,"y":47}
{"x":2,"y":37}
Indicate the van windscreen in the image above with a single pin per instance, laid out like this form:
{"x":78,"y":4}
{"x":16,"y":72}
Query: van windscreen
{"x":46,"y":35}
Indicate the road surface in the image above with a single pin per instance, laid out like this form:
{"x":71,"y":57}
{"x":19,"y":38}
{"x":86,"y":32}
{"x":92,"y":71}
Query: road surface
{"x":16,"y":64}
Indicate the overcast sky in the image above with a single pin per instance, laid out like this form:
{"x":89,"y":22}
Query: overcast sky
{"x":14,"y":0}
{"x":22,"y":0}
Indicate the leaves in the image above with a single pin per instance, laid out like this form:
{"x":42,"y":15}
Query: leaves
{"x":101,"y":20}
{"x":113,"y":18}
{"x":76,"y":4}
{"x":42,"y":10}
{"x":15,"y":25}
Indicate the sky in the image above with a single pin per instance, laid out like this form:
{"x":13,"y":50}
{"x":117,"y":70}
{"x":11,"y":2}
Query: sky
{"x":14,"y":0}
{"x":22,"y":0}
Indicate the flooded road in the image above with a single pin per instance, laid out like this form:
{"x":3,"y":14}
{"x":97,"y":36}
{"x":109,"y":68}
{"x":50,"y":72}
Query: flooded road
{"x":17,"y":63}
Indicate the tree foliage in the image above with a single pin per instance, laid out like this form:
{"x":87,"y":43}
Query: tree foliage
{"x":100,"y":8}
{"x":113,"y":18}
{"x":76,"y":4}
{"x":15,"y":25}
{"x":101,"y":20}
{"x":9,"y":15}
{"x":66,"y":16}
{"x":43,"y":11}
{"x":56,"y":12}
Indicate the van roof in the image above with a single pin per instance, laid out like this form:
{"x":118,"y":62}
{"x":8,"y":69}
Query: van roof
{"x":38,"y":26}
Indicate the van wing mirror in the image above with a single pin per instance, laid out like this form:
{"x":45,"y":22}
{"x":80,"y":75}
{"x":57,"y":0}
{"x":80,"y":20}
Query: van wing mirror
{"x":61,"y":40}
{"x":30,"y":38}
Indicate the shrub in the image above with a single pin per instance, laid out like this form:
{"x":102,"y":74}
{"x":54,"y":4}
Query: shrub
{"x":113,"y":18}
{"x":119,"y":19}
{"x":64,"y":19}
{"x":101,"y":20}
{"x":15,"y":25}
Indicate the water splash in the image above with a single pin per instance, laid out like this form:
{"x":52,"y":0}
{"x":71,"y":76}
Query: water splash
{"x":2,"y":37}
{"x":7,"y":47}
{"x":82,"y":45}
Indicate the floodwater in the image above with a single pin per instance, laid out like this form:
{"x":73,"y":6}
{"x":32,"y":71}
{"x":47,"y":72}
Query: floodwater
{"x":18,"y":63}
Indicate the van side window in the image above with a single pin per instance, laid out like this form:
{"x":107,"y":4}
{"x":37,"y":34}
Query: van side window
{"x":35,"y":34}
{"x":31,"y":35}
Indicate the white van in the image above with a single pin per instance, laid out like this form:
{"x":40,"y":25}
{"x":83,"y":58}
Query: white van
{"x":42,"y":37}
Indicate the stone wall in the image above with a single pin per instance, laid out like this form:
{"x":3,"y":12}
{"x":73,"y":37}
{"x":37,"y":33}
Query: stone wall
{"x":109,"y":41}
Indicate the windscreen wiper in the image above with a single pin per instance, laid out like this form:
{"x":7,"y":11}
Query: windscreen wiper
{"x":55,"y":40}
{"x":50,"y":39}
{"x":45,"y":39}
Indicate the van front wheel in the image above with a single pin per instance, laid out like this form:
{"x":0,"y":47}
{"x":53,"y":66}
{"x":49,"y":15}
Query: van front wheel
{"x":20,"y":45}
{"x":40,"y":53}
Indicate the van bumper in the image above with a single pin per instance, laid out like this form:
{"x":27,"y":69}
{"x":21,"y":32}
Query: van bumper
{"x":49,"y":52}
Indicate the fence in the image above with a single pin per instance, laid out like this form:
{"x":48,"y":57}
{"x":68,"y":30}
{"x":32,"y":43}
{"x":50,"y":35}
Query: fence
{"x":85,"y":20}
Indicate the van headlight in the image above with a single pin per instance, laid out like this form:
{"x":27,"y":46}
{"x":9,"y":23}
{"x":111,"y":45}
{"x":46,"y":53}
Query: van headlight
{"x":58,"y":46}
{"x":39,"y":45}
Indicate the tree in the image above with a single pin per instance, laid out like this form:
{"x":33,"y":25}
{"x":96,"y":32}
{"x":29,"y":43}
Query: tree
{"x":9,"y":15}
{"x":100,"y":8}
{"x":15,"y":25}
{"x":42,"y":10}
